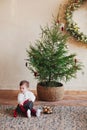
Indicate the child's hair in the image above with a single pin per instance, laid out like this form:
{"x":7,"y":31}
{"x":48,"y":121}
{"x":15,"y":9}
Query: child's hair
{"x":24,"y":82}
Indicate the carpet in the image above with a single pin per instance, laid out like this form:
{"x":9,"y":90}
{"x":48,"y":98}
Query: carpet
{"x":62,"y":118}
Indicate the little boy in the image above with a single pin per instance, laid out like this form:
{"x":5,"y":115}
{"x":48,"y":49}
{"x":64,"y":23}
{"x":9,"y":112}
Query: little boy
{"x":25,"y":101}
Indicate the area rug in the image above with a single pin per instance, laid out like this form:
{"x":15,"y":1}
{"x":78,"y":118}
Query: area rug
{"x":62,"y":118}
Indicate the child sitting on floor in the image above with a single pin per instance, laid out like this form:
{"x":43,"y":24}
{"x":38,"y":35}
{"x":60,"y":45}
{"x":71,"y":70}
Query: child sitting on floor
{"x":25,"y":101}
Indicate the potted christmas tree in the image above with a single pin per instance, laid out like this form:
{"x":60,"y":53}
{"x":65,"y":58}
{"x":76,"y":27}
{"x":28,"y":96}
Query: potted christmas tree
{"x":51,"y":63}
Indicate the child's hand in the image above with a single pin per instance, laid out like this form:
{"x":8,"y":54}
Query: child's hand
{"x":21,"y":104}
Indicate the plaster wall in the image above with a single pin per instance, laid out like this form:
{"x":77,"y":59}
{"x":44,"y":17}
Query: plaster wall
{"x":20,"y":22}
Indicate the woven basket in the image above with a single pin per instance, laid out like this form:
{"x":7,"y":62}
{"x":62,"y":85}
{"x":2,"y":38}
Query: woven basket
{"x":50,"y":93}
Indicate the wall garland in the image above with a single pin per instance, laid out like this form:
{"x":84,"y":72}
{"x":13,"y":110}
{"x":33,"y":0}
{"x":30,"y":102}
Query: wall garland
{"x":71,"y":26}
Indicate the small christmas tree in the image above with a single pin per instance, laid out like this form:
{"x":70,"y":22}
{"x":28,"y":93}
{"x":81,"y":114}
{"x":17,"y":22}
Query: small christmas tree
{"x":49,"y":58}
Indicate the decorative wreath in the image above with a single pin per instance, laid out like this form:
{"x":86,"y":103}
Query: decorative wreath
{"x":72,"y":26}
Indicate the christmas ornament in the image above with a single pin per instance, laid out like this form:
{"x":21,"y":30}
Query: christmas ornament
{"x":47,"y":110}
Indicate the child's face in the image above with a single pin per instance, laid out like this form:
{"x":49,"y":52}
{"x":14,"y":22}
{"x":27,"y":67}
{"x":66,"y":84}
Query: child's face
{"x":23,"y":88}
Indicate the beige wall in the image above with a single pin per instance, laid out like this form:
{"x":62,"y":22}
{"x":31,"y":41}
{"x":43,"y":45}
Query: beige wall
{"x":20,"y":22}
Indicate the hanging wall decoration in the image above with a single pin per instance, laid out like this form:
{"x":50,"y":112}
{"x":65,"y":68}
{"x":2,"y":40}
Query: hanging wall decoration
{"x":71,"y":25}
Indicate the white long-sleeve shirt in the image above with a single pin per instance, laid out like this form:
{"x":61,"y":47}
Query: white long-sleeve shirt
{"x":28,"y":95}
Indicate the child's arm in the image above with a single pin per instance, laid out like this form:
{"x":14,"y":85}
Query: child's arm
{"x":20,"y":99}
{"x":30,"y":96}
